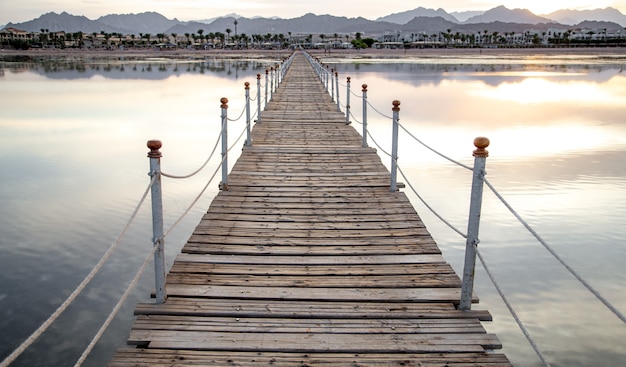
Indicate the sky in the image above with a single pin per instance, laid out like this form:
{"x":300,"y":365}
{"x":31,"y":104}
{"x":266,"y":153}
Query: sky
{"x":18,"y":11}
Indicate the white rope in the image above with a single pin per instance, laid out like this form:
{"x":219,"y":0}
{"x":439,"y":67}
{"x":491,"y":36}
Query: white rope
{"x":428,"y":206}
{"x":238,"y":118}
{"x":380,"y":113}
{"x":236,"y":141}
{"x":356,"y":95}
{"x":511,"y":310}
{"x":116,"y":309}
{"x":202,"y":166}
{"x":556,"y":256}
{"x":195,"y":201}
{"x":434,"y":151}
{"x":37,"y":333}
{"x":375,"y":143}
{"x":354,"y":118}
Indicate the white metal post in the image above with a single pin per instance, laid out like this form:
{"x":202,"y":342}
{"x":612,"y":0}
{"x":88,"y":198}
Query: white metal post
{"x":271,"y":83}
{"x":394,"y":147}
{"x":332,"y":85}
{"x":267,"y":73}
{"x":224,"y":106}
{"x":258,"y":98}
{"x":473,"y":222}
{"x":337,"y":87}
{"x":347,"y":100}
{"x":364,"y":90}
{"x":157,"y":220}
{"x":248,"y":138}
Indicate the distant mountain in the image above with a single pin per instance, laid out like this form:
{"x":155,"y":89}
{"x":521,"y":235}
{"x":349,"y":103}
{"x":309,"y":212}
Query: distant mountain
{"x":211,"y":20}
{"x":610,"y":27}
{"x":148,"y":22}
{"x":436,"y":25}
{"x":406,"y":16}
{"x":308,"y":23}
{"x":572,"y":17}
{"x":506,"y":15}
{"x":463,"y":16}
{"x":499,"y":19}
{"x":54,"y":22}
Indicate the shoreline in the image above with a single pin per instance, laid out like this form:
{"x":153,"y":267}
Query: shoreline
{"x":335,"y":53}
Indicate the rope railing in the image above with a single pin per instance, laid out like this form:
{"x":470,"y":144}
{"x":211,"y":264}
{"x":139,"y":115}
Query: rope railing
{"x":79,"y":289}
{"x":158,"y":239}
{"x":115,"y":309}
{"x":471,"y":239}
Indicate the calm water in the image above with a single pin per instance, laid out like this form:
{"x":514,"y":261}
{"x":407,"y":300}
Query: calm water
{"x":73,"y":166}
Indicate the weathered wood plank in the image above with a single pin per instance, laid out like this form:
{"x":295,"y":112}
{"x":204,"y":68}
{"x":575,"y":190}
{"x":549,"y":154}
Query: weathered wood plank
{"x":309,"y":260}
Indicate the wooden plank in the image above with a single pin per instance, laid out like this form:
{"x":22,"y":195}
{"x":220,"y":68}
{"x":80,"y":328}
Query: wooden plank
{"x":424,"y":295}
{"x":310,"y":342}
{"x":290,"y":309}
{"x":313,"y":260}
{"x":309,"y":260}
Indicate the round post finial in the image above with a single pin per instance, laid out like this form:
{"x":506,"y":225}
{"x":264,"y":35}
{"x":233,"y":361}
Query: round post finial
{"x":258,"y":76}
{"x":154,"y":146}
{"x":247,"y":85}
{"x":481,"y":143}
{"x":224,"y":102}
{"x":348,"y":79}
{"x":396,"y":105}
{"x":364,"y":86}
{"x":336,"y":73}
{"x":267,"y":71}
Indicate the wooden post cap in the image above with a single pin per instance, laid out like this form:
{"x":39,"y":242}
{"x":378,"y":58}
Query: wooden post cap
{"x":396,"y":105}
{"x":247,"y":85}
{"x":336,"y":73}
{"x":258,"y":76}
{"x":267,"y":71}
{"x":154,"y":146}
{"x":348,"y":79}
{"x":224,"y":102}
{"x":364,"y":86}
{"x":481,"y":143}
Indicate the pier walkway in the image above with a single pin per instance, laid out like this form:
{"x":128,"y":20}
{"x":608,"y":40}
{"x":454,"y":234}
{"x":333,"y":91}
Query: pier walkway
{"x":308,"y":259}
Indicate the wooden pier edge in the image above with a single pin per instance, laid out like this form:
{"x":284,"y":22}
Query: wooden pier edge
{"x":309,"y":260}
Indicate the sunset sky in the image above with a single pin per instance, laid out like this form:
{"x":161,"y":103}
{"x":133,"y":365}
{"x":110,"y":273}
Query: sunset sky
{"x":17,"y":11}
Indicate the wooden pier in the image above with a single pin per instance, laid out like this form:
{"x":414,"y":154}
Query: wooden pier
{"x":309,"y":260}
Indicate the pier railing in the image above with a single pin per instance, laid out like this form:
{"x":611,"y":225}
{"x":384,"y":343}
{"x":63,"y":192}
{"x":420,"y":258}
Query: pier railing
{"x":329,"y":77}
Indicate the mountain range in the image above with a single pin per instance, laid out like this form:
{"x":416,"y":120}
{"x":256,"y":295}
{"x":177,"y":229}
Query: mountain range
{"x":420,"y":19}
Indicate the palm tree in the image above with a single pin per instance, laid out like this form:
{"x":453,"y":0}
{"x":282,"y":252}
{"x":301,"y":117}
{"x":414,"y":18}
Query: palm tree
{"x":228,"y":30}
{"x":235,"y":22}
{"x":200,"y":31}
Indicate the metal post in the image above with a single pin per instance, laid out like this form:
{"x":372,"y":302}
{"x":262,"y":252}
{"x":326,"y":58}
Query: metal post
{"x":364,"y":90}
{"x":326,"y":78}
{"x":267,"y":73}
{"x":272,"y":83}
{"x":157,"y":220}
{"x":347,"y":100}
{"x":258,"y":98}
{"x":473,"y":222}
{"x":224,"y":106}
{"x":337,"y":87}
{"x":248,"y":138}
{"x":332,"y":85}
{"x":277,"y":68}
{"x":394,"y":147}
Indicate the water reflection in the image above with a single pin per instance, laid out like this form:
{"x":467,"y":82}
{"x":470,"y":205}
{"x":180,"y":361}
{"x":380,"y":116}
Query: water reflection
{"x":73,"y":164}
{"x":130,"y":67}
